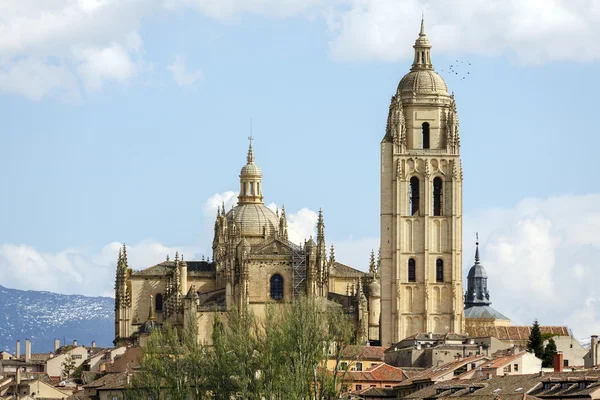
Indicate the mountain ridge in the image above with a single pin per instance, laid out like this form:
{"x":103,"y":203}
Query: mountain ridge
{"x":43,"y":316}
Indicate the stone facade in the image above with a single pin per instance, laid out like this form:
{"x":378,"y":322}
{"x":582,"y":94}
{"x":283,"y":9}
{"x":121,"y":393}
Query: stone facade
{"x":421,"y":207}
{"x":254,"y":263}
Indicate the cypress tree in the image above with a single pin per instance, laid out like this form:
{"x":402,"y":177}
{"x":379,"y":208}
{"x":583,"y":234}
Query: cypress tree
{"x":535,"y":344}
{"x":549,"y":353}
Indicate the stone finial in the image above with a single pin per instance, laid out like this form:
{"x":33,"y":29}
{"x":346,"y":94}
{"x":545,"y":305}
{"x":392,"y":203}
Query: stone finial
{"x":151,"y":311}
{"x":372,"y":263}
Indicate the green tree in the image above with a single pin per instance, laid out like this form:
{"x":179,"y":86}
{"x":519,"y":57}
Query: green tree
{"x":535,"y":344}
{"x":67,"y":366}
{"x":549,"y":352}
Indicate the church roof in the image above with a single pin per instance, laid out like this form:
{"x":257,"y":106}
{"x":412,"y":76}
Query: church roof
{"x":513,"y":332}
{"x":198,"y":268}
{"x":483,"y":311}
{"x":342,"y":270}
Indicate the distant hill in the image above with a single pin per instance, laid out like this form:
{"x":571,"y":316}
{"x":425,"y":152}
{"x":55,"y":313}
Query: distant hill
{"x":45,"y":316}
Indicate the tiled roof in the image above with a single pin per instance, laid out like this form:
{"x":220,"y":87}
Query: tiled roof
{"x":364,"y":352}
{"x":112,"y":380}
{"x":514,"y":332}
{"x":342,"y":270}
{"x":90,"y":376}
{"x":437,"y":371}
{"x":501,"y":361}
{"x":195,"y":268}
{"x":512,"y":385}
{"x":378,"y":373}
{"x":40,"y":356}
{"x":378,"y":392}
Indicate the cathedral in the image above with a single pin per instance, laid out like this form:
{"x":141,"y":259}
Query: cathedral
{"x":416,"y":284}
{"x":253,"y":263}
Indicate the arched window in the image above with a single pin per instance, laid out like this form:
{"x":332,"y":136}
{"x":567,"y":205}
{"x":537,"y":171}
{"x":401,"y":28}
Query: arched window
{"x":258,"y":188}
{"x":251,"y":188}
{"x":437,"y":196}
{"x":158,"y":302}
{"x":277,"y":287}
{"x":439,"y":270}
{"x":412,"y":270}
{"x":245,"y":188}
{"x":425,"y":132}
{"x":414,"y":195}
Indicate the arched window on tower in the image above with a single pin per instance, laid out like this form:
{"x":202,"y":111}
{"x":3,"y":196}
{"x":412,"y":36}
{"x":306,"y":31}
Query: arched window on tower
{"x":245,"y":188}
{"x":437,"y":196}
{"x":277,"y":287}
{"x":425,"y":134}
{"x":158,"y":302}
{"x":251,"y":188}
{"x":412,"y":270}
{"x":414,"y":195}
{"x":439,"y":270}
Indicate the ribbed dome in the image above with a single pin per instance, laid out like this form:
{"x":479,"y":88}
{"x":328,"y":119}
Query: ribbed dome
{"x":250,"y":169}
{"x":422,"y":82}
{"x":251,"y":218}
{"x":477,"y":271}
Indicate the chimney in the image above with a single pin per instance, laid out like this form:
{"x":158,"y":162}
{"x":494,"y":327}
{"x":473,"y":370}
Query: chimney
{"x":541,"y":373}
{"x":27,"y":350}
{"x":75,"y":343}
{"x":558,"y":362}
{"x":18,"y":350}
{"x":93,"y":344}
{"x":594,"y":350}
{"x":56,"y":344}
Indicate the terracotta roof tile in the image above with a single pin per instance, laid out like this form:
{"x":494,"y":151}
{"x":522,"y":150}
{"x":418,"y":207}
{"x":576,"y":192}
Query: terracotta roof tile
{"x":514,"y":332}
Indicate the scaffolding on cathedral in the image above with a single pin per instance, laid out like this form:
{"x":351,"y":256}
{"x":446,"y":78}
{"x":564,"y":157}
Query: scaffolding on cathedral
{"x":298,"y":270}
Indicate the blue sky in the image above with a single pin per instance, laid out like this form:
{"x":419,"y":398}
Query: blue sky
{"x":127,"y":121}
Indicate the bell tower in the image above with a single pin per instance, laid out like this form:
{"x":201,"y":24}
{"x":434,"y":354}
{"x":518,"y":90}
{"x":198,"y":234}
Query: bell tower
{"x":421,"y":206}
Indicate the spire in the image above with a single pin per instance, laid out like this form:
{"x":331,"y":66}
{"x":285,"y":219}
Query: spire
{"x":320,"y":226}
{"x":250,"y":157}
{"x":422,"y":50}
{"x":283,"y":231}
{"x":372,"y":263}
{"x":477,"y":248}
{"x":332,"y":255}
{"x":124,"y":255}
{"x":477,"y":293}
{"x":250,"y":180}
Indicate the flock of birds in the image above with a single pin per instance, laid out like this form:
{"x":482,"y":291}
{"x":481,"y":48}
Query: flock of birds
{"x":462,"y":69}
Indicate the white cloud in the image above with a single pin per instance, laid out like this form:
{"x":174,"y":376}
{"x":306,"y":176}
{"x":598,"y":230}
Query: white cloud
{"x":536,"y":31}
{"x":77,"y":270}
{"x":228,"y":198}
{"x":94,"y":41}
{"x":35,"y":79}
{"x":97,"y":65}
{"x":180,"y":72}
{"x":226,"y":9}
{"x":541,"y":259}
{"x":89,"y":40}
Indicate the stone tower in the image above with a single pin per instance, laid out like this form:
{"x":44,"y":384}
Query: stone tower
{"x":421,"y":206}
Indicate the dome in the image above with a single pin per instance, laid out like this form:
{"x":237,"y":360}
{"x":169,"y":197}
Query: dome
{"x":477,"y":271}
{"x":250,"y":169}
{"x":422,"y":82}
{"x":251,"y":218}
{"x":374,"y":289}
